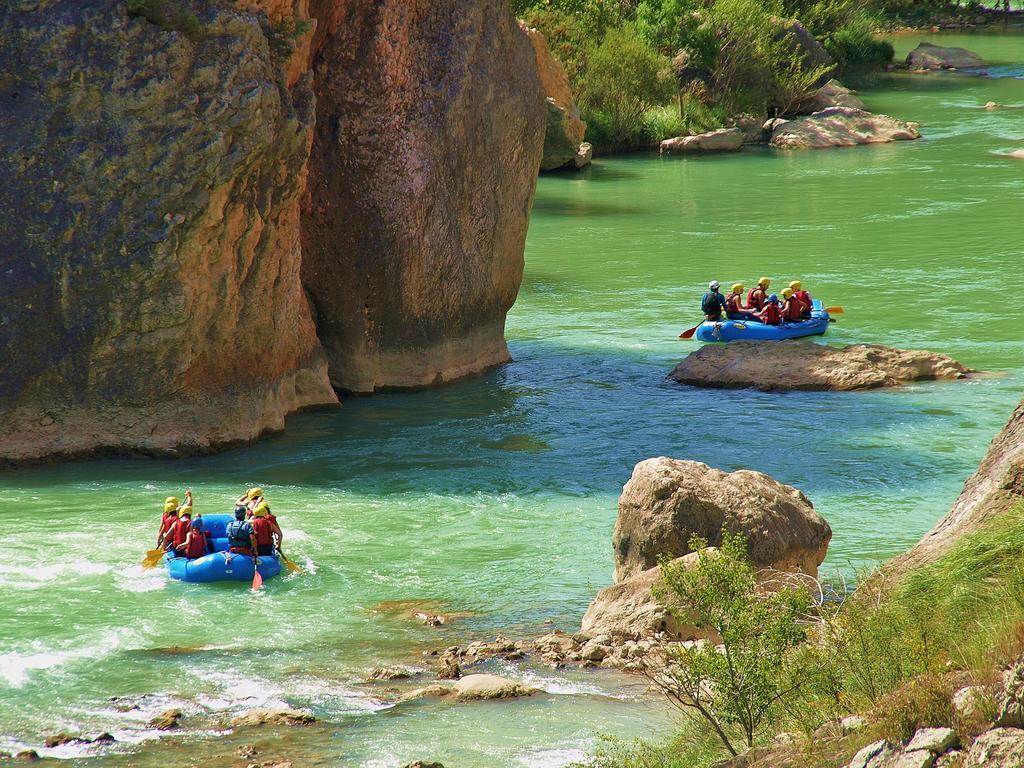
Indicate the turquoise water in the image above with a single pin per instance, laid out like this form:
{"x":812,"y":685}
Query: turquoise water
{"x":494,"y":499}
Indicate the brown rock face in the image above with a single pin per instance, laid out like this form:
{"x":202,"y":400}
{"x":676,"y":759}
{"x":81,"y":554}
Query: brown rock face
{"x":996,"y":488}
{"x":629,"y":610}
{"x":149,"y":240}
{"x":841,"y":127}
{"x":776,"y":366}
{"x":564,"y":131}
{"x":430,"y":128}
{"x":667,"y":501}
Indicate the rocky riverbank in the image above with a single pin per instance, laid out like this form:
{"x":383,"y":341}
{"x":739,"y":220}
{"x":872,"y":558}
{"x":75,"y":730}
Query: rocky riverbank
{"x":780,"y":366}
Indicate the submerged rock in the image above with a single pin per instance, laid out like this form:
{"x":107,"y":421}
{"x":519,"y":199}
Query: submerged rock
{"x":166,"y":720}
{"x":928,"y":56}
{"x":275,"y":716}
{"x":667,"y":501}
{"x":778,"y":366}
{"x":480,"y":687}
{"x":840,"y":127}
{"x":721,"y":140}
{"x":427,"y":692}
{"x":563,"y":137}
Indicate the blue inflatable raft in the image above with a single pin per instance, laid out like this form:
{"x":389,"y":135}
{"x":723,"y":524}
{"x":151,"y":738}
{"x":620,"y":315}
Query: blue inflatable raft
{"x":751,"y":330}
{"x":221,"y":565}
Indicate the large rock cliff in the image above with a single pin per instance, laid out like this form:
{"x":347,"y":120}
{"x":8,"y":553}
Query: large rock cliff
{"x":149,"y":239}
{"x":996,"y":488}
{"x":154,"y":156}
{"x":430,"y":129}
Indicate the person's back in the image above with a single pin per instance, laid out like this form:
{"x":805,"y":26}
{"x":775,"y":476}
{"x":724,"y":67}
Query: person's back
{"x":180,"y":531}
{"x":240,"y":534}
{"x":792,"y":307}
{"x":803,"y":296}
{"x":734,"y":308}
{"x":770,"y":315}
{"x":263,"y":530}
{"x":758,"y":295}
{"x":196,"y":543}
{"x":713,"y":303}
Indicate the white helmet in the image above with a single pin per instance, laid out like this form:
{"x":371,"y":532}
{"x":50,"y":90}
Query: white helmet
{"x":713,"y":285}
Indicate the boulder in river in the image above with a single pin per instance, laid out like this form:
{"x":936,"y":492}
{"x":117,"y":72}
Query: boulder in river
{"x":563,"y":136}
{"x":667,"y":501}
{"x":721,"y":140}
{"x":482,"y":686}
{"x":928,"y":56}
{"x":841,"y":127}
{"x":778,"y":366}
{"x":628,"y":610}
{"x":273,"y":716}
{"x":831,"y":94}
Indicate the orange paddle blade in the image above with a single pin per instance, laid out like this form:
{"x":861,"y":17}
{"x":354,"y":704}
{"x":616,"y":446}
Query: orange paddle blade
{"x":835,"y":310}
{"x":687,"y":334}
{"x":152,"y":558}
{"x":257,"y":580}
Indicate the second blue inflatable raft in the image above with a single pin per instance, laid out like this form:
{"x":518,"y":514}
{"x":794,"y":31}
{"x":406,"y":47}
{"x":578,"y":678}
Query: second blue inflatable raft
{"x":751,"y":330}
{"x":221,"y":565}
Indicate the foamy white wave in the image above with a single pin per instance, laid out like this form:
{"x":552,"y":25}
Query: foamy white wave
{"x":17,"y":667}
{"x":553,"y":758}
{"x":560,"y":686}
{"x":37,"y":575}
{"x":296,"y":534}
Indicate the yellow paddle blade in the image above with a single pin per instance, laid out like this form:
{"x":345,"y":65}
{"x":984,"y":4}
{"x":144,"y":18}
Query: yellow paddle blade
{"x":835,"y":310}
{"x":292,"y":567}
{"x":152,"y":558}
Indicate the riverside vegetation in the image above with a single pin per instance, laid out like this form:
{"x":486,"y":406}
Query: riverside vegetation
{"x":654,"y":69}
{"x":893,"y":653}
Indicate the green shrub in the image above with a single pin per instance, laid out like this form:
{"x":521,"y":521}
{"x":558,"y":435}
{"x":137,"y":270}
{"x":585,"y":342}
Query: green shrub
{"x":625,"y":77}
{"x":738,"y":688}
{"x":168,"y":15}
{"x":281,"y":37}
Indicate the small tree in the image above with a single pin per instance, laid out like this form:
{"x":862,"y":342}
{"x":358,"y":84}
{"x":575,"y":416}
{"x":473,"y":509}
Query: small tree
{"x":625,"y":76}
{"x":737,"y":685}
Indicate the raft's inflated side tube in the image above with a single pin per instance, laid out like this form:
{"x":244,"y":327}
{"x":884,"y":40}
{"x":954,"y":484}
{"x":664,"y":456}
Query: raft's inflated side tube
{"x":220,"y":565}
{"x":751,"y":330}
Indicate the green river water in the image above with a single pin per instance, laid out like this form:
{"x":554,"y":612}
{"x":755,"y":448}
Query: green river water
{"x":495,"y":498}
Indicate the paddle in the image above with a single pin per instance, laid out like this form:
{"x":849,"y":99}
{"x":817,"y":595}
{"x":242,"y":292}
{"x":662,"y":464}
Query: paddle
{"x":152,"y":558}
{"x":688,"y":334}
{"x":835,"y":310}
{"x":292,"y":567}
{"x":257,"y":580}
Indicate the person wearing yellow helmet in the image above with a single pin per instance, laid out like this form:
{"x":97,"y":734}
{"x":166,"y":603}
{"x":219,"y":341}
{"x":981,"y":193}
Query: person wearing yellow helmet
{"x":758,"y":295}
{"x":803,"y":296}
{"x":248,"y":500}
{"x":792,"y":307}
{"x":263,"y":528}
{"x":734,"y":309}
{"x":169,"y":519}
{"x":180,"y":531}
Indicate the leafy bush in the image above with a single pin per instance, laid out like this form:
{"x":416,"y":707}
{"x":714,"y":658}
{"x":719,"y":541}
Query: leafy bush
{"x":738,"y":687}
{"x":759,"y":67}
{"x":168,"y":15}
{"x":625,"y":76}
